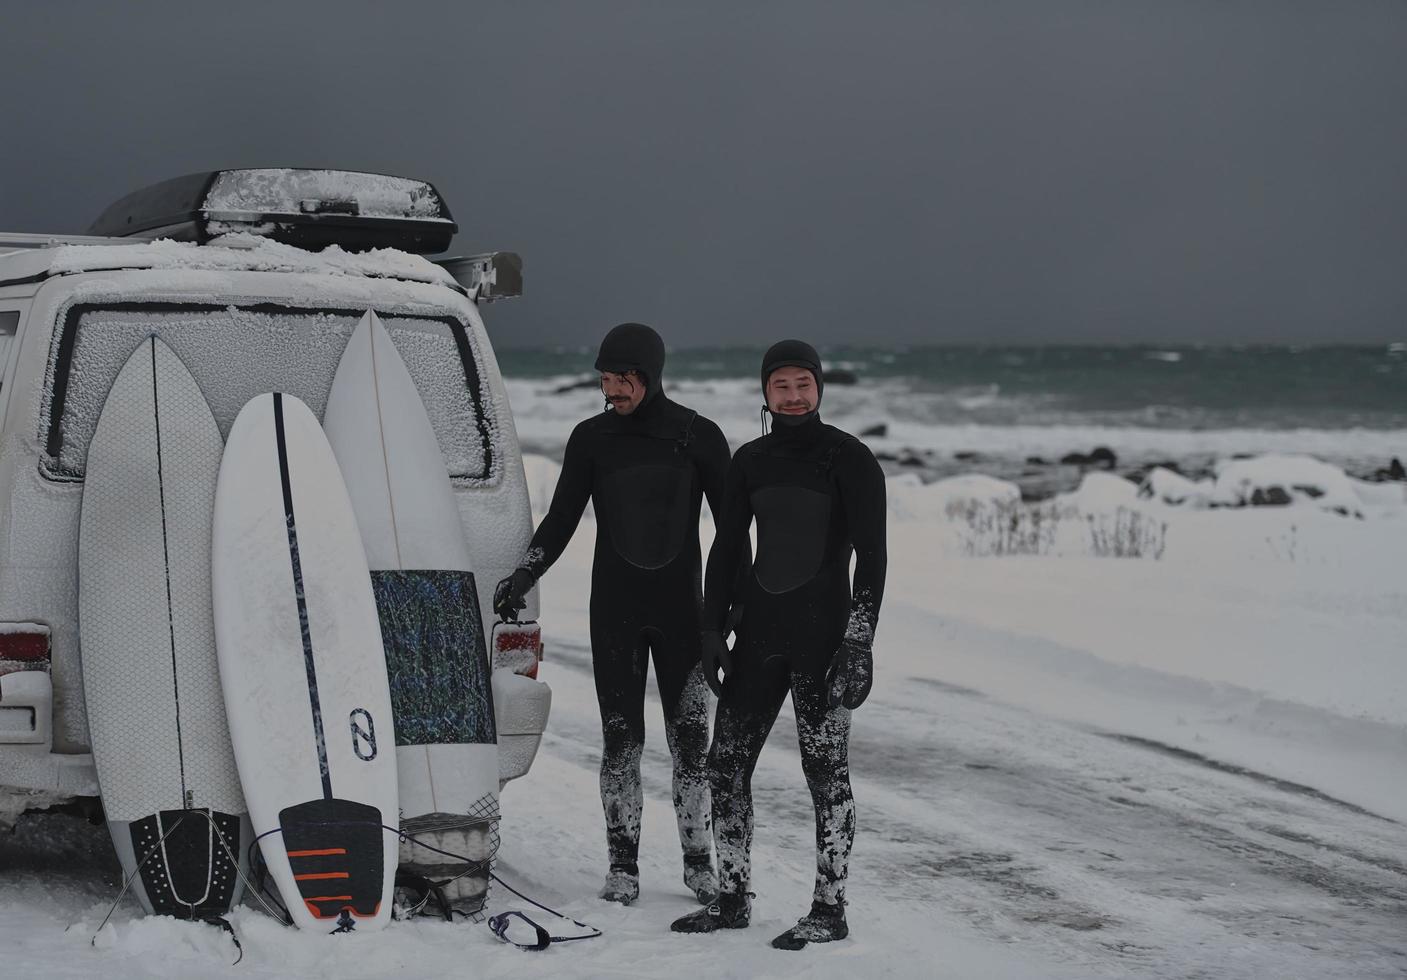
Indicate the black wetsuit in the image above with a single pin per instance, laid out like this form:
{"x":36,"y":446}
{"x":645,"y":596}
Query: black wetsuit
{"x":817,"y":494}
{"x":645,"y":474}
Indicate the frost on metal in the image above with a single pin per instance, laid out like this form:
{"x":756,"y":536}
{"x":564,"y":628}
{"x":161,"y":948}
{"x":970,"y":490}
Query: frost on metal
{"x":235,"y":353}
{"x":244,"y":252}
{"x":376,"y":195}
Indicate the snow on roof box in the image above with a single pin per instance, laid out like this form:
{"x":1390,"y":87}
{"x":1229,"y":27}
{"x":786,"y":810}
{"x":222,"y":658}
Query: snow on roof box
{"x":306,"y":208}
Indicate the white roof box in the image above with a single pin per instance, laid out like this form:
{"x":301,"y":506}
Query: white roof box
{"x":307,"y":208}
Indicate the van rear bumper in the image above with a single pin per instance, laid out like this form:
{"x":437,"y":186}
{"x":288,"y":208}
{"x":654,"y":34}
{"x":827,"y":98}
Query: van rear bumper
{"x":33,"y":778}
{"x":521,"y":707}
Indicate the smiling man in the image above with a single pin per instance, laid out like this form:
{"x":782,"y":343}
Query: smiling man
{"x":645,"y":463}
{"x":817,"y":495}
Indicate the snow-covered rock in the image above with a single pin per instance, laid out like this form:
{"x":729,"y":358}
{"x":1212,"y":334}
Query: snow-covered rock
{"x":1379,"y":494}
{"x":912,"y":500}
{"x":1283,"y":480}
{"x":1169,"y":487}
{"x":1099,"y":493}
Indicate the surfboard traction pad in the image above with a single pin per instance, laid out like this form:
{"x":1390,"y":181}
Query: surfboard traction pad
{"x":436,"y":659}
{"x":334,"y":848}
{"x":189,"y":874}
{"x":437,"y":666}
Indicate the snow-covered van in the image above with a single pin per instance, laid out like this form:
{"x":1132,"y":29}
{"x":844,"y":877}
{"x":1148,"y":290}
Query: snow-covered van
{"x":256,"y":279}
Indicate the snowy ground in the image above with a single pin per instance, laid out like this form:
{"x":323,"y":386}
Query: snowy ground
{"x":1071,"y":766}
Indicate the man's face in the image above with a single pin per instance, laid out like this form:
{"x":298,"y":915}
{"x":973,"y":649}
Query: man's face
{"x":791,"y":391}
{"x":625,"y":391}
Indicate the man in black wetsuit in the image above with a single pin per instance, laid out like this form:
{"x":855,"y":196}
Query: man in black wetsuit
{"x":644,"y":462}
{"x":817,"y":495}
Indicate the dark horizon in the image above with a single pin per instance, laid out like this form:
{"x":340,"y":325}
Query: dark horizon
{"x":1012,"y":171}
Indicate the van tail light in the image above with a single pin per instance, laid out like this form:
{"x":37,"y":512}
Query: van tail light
{"x":517,"y":647}
{"x":23,"y":646}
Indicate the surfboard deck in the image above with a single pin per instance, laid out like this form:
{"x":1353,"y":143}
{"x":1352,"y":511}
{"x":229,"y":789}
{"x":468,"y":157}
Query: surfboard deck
{"x":427,"y":598}
{"x":303,"y":670}
{"x":161,"y":745}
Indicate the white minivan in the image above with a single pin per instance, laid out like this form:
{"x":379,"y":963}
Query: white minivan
{"x":256,"y":279}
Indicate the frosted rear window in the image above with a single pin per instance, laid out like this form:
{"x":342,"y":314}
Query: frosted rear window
{"x":235,"y":353}
{"x":9,"y":325}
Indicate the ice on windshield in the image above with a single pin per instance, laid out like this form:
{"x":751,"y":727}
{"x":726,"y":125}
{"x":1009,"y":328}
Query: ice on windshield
{"x":236,"y":353}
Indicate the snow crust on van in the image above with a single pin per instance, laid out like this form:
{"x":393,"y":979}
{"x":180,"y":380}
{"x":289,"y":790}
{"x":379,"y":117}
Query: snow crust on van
{"x":243,"y":252}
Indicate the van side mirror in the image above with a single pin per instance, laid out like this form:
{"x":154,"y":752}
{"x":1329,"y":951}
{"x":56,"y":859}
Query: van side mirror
{"x":487,"y":277}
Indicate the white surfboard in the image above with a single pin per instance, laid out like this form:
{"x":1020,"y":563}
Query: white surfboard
{"x":155,"y":713}
{"x":447,"y":753}
{"x":304,"y":675}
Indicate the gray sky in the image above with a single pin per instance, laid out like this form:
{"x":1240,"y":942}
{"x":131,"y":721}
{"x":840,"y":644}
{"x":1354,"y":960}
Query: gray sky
{"x":1119,"y":171}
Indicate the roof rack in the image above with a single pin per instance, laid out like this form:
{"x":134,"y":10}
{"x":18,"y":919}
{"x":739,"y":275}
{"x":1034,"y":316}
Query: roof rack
{"x":14,"y":240}
{"x":307,"y":208}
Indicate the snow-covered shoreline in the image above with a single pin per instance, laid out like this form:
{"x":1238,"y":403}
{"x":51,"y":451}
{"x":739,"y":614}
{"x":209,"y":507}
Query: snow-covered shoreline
{"x":1020,"y":451}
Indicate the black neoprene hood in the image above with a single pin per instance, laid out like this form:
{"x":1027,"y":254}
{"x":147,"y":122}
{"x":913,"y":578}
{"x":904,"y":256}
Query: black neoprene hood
{"x":793,"y":353}
{"x":634,"y":347}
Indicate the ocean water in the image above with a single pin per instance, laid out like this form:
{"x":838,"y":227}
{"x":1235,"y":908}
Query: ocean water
{"x":1012,"y":410}
{"x":1164,"y":387}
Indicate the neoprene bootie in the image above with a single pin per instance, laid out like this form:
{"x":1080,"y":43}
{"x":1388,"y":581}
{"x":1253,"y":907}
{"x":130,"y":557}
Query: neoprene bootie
{"x":725,"y":912}
{"x":823,"y":924}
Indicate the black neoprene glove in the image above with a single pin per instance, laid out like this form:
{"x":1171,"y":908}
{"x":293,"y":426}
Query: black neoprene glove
{"x":851,"y":674}
{"x":716,"y":657}
{"x":509,"y":597}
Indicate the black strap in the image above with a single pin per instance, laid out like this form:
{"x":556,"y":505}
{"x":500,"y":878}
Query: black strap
{"x":224,"y":924}
{"x":260,"y":871}
{"x":499,"y":924}
{"x":425,"y":889}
